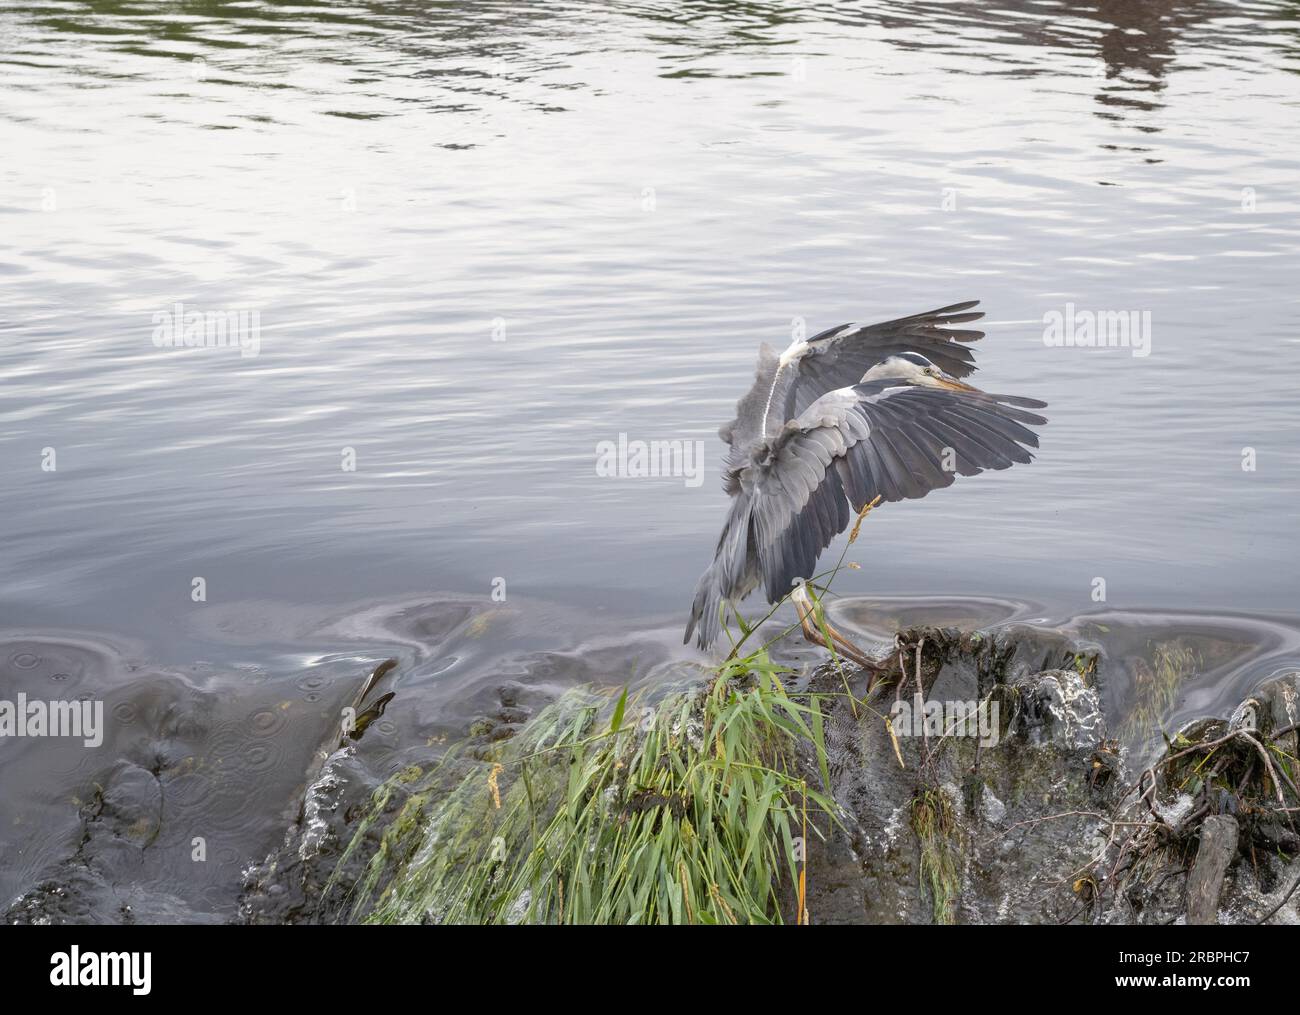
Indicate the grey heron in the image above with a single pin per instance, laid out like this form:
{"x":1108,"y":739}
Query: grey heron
{"x":855,"y":413}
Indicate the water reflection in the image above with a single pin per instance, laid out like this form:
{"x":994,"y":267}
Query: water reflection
{"x":388,"y":181}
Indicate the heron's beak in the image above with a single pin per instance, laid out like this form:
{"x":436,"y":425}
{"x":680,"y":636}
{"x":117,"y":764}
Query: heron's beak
{"x":952,"y":384}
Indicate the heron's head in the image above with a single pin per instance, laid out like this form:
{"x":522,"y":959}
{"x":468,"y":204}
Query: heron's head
{"x":913,"y":368}
{"x":796,"y":351}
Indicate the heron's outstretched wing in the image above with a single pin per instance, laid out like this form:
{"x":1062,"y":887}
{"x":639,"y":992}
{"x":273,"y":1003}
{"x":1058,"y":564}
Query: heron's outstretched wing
{"x":840,"y":356}
{"x":856,"y":443}
{"x":852,"y":445}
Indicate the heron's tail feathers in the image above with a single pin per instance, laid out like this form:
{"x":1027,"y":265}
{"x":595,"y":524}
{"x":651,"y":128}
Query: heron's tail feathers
{"x":731,"y":576}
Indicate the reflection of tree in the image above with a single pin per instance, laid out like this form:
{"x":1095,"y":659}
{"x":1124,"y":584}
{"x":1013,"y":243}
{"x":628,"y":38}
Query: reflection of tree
{"x":474,"y":54}
{"x":1137,"y":46}
{"x":1136,"y":39}
{"x":477,"y":49}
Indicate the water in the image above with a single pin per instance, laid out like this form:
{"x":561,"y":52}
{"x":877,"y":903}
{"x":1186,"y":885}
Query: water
{"x":484,"y":238}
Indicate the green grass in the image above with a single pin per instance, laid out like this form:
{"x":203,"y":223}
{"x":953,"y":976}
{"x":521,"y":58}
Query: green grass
{"x":1155,"y":687}
{"x":687,"y":810}
{"x":690,"y":806}
{"x":935,"y":824}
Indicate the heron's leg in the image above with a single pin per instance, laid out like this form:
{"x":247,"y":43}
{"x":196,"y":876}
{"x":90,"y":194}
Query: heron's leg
{"x":811,"y":631}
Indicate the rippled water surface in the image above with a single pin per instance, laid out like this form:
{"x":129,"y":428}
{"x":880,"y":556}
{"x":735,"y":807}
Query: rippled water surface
{"x":483,"y":238}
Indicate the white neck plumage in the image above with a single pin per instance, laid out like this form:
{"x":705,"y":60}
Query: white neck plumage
{"x":796,"y":350}
{"x":770,"y":392}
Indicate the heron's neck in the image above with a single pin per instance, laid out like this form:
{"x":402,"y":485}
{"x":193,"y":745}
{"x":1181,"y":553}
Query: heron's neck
{"x":776,"y":396}
{"x":768,"y":407}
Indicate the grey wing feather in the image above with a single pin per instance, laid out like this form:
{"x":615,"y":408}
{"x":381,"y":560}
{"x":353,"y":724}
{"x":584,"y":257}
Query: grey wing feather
{"x":870,"y":441}
{"x":840,"y":356}
{"x":742,"y":431}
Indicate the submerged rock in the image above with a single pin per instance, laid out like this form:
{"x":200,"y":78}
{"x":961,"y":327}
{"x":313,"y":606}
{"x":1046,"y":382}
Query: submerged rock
{"x":1218,"y":776}
{"x":982,"y":817}
{"x":1040,"y":823}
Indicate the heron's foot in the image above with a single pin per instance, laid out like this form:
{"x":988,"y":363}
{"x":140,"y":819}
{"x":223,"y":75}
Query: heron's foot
{"x":834,"y":640}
